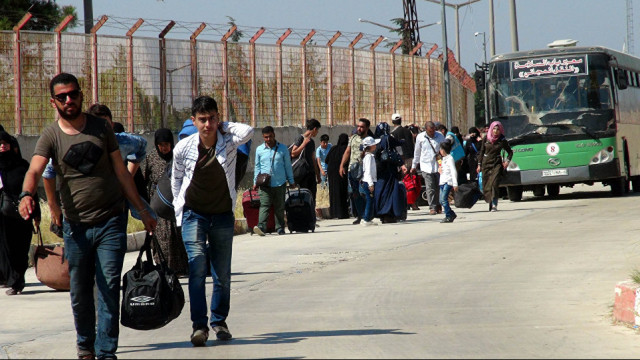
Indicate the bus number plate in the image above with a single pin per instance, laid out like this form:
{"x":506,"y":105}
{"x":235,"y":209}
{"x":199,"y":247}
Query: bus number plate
{"x":554,"y":172}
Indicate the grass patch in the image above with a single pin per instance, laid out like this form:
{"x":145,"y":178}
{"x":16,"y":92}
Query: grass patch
{"x":635,"y":276}
{"x":48,"y":237}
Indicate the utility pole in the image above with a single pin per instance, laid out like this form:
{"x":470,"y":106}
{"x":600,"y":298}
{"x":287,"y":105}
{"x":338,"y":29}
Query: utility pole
{"x":88,"y":15}
{"x":514,"y":27}
{"x":456,"y":7}
{"x":445,"y":77}
{"x":485,"y":68}
{"x":492,"y":32}
{"x":630,"y":35}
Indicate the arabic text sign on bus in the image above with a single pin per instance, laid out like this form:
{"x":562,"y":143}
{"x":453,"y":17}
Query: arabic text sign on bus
{"x":548,"y":67}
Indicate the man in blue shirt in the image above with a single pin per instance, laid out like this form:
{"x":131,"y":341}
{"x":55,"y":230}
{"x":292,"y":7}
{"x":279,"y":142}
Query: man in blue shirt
{"x":272,"y":158}
{"x":321,"y":156}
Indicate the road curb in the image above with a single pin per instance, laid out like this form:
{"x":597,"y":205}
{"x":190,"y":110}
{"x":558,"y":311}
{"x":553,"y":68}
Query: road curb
{"x":627,"y":302}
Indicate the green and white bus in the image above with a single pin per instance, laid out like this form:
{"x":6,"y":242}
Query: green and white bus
{"x":571,"y":115}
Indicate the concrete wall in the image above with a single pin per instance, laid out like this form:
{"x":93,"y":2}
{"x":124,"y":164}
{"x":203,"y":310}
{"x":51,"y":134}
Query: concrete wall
{"x":285,"y":135}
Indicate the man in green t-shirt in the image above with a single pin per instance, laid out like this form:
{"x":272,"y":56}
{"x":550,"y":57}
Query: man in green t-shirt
{"x":352,"y":158}
{"x":94,"y":184}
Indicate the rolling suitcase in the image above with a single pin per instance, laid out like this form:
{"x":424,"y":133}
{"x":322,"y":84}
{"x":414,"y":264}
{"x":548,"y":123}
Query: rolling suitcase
{"x":301,"y":210}
{"x":251,"y":209}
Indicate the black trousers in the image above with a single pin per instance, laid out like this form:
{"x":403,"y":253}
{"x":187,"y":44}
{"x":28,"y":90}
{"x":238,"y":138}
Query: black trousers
{"x":310,"y":182}
{"x":17,"y":237}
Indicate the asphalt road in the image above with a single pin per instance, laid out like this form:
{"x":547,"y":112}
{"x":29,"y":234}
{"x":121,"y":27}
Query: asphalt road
{"x":534,"y":280}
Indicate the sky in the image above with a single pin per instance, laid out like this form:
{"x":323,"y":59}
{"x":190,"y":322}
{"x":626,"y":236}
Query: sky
{"x":591,"y":22}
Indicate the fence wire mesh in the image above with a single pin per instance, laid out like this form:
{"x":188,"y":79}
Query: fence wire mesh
{"x":261,"y":84}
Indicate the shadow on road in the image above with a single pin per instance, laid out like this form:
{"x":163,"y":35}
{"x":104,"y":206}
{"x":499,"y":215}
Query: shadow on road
{"x":265,"y":339}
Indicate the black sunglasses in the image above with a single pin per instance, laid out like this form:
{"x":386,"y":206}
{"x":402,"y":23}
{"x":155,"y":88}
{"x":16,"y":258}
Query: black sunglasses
{"x":74,"y":94}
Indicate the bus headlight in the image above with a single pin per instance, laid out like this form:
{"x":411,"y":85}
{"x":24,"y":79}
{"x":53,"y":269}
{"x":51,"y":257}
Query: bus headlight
{"x":513,"y":166}
{"x":602,"y":156}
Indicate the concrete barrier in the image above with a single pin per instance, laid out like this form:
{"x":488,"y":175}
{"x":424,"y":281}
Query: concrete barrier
{"x":627,"y":301}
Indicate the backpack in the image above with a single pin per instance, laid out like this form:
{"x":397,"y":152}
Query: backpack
{"x":162,"y":200}
{"x":300,"y":166}
{"x":151,"y":293}
{"x":390,"y":156}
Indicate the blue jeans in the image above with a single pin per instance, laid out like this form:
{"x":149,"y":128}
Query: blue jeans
{"x":357,"y":200}
{"x":444,"y":199}
{"x":96,"y":251}
{"x":196,"y":228}
{"x":368,"y":202}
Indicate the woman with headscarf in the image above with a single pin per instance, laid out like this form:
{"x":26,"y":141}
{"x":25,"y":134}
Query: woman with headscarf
{"x":338,"y":185}
{"x":15,"y":232}
{"x":390,"y":193}
{"x":169,"y":238}
{"x":492,"y":163}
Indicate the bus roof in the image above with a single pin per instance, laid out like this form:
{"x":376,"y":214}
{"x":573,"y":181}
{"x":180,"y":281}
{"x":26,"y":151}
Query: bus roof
{"x":625,"y":61}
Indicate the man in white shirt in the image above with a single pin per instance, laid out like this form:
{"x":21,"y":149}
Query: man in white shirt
{"x":426,"y":155}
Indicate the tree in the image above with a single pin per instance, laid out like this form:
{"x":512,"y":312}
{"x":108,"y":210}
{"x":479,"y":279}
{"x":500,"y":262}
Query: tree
{"x":46,"y":14}
{"x":479,"y":108}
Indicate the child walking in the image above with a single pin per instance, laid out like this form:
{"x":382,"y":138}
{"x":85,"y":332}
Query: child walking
{"x":448,"y":181}
{"x":369,"y":178}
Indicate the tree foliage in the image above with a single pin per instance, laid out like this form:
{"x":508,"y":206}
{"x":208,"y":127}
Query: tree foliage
{"x":46,"y":14}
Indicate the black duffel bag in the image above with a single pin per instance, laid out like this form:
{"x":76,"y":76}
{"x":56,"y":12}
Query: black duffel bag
{"x":162,"y":199}
{"x":151,"y":293}
{"x":467,"y":195}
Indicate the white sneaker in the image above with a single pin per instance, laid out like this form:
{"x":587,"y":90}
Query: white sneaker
{"x":368,"y":223}
{"x":494,"y":208}
{"x":258,"y":231}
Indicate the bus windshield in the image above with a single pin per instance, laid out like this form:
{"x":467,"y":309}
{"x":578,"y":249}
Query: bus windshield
{"x":561,"y":95}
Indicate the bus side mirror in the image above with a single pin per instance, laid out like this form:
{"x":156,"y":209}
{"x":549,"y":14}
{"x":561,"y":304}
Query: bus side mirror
{"x":621,"y":79}
{"x":479,"y":78}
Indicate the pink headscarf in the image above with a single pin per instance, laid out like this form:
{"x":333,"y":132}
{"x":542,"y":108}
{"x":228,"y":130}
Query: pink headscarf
{"x":490,"y":136}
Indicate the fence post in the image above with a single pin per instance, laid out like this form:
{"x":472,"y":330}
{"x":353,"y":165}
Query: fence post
{"x":330,"y":77}
{"x":162,"y":46}
{"x":428,"y":55}
{"x":195,"y":87}
{"x":225,"y":73}
{"x":279,"y":78}
{"x":352,"y":80}
{"x":412,"y":95}
{"x":374,"y":102}
{"x":303,"y":49}
{"x":393,"y":72}
{"x":17,"y":72}
{"x":94,"y":57}
{"x":58,"y":34}
{"x":254,"y":85}
{"x":130,"y":73}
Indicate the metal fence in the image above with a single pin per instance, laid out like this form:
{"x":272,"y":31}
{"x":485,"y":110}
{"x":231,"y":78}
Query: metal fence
{"x":150,"y":82}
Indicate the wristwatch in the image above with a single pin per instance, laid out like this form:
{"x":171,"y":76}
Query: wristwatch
{"x":25,"y":194}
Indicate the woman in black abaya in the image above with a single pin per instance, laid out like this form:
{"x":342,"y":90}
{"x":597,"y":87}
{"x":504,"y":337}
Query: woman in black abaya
{"x":15,"y":232}
{"x":338,"y":193}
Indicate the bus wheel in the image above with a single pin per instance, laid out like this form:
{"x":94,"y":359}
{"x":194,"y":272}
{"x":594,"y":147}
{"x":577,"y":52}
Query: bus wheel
{"x":515,"y":193}
{"x":618,"y":186}
{"x":553,"y":190}
{"x":538,"y":190}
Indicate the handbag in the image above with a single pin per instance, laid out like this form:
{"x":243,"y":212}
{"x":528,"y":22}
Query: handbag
{"x":151,"y":293}
{"x":52,"y":268}
{"x":264,"y":179}
{"x":9,"y":205}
